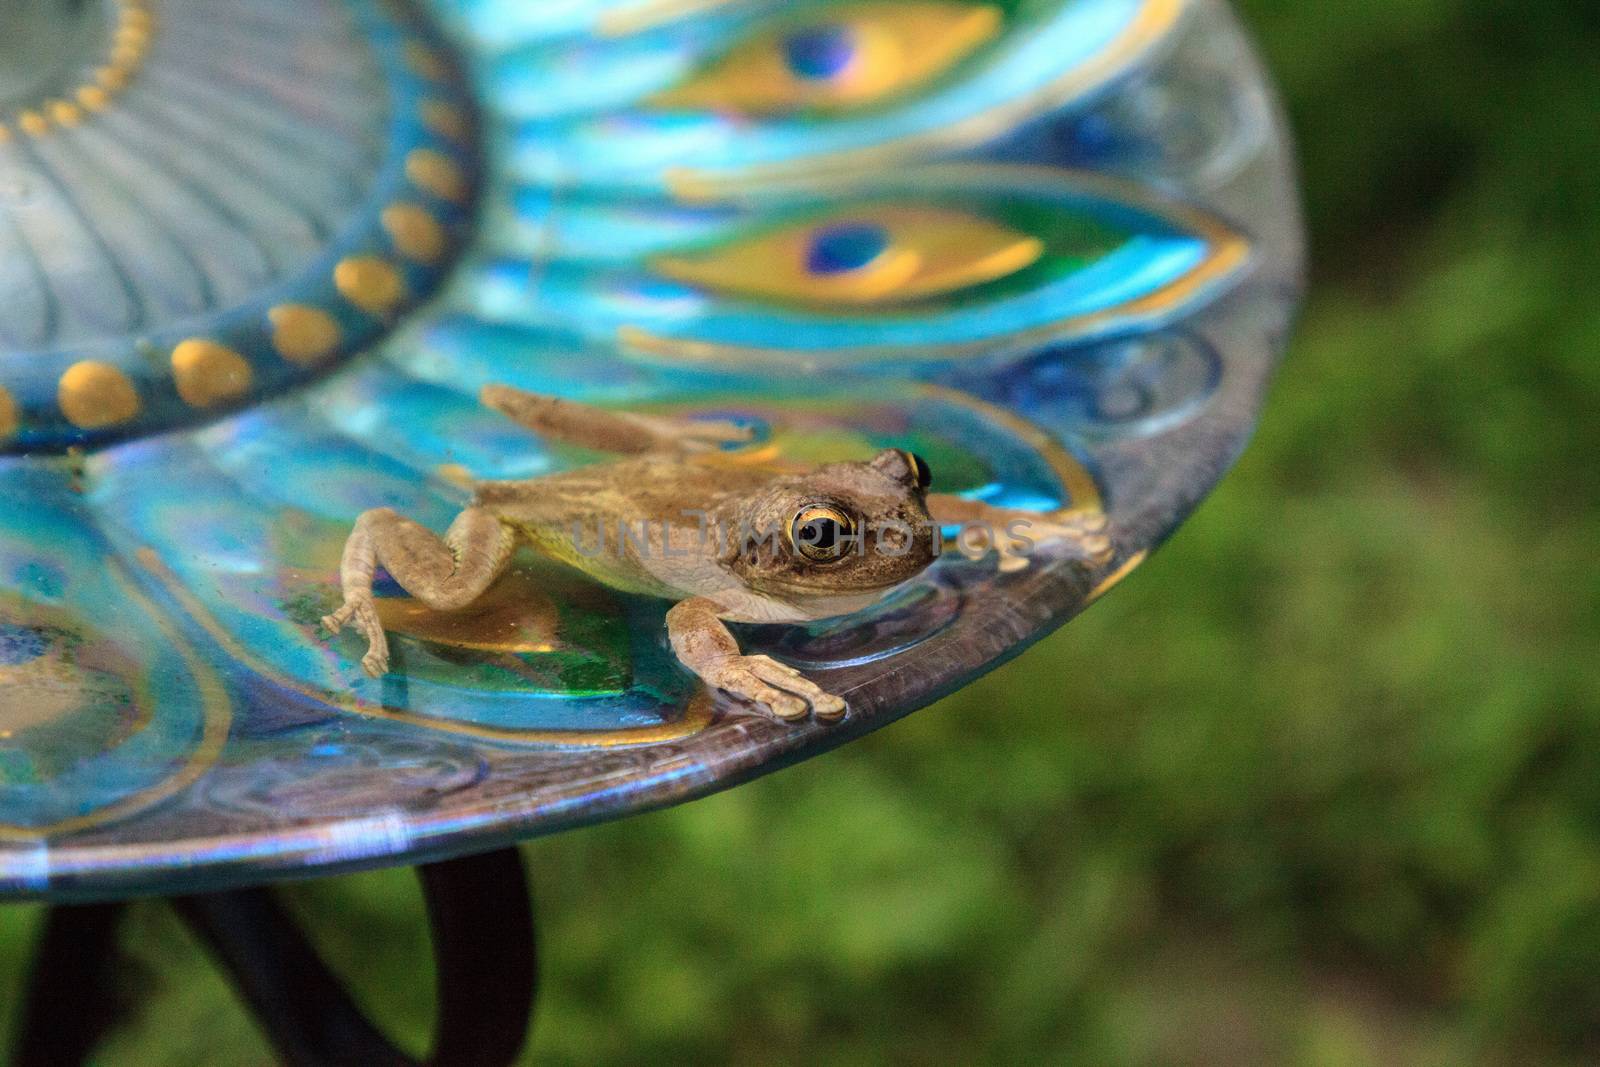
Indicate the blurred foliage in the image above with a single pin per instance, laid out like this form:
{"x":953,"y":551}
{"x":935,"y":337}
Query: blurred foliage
{"x":1320,"y":784}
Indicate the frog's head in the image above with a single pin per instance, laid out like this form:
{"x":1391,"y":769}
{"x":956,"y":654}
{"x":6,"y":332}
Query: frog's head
{"x":840,"y":530}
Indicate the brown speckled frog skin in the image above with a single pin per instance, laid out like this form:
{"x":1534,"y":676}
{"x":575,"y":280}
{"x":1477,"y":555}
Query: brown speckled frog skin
{"x":675,"y":518}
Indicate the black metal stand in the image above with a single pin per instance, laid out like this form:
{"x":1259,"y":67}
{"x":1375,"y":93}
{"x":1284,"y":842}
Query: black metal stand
{"x":483,"y":945}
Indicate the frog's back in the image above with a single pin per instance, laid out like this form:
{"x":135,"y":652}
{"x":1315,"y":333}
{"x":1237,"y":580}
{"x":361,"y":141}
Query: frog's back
{"x":610,"y":520}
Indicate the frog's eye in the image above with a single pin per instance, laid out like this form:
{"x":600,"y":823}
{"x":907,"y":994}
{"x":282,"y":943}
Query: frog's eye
{"x":821,"y":533}
{"x":882,"y":255}
{"x":839,"y":59}
{"x":919,"y":470}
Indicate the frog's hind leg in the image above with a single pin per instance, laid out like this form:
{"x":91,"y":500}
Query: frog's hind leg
{"x":618,"y":432}
{"x":445,"y":573}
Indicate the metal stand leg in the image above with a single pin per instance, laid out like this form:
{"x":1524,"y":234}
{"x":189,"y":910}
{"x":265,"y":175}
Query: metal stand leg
{"x":483,"y":946}
{"x":70,"y":1002}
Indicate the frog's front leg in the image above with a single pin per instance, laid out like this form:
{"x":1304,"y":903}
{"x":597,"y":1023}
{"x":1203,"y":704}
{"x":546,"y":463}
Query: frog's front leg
{"x":445,"y":573}
{"x":705,"y":646}
{"x":1014,"y":532}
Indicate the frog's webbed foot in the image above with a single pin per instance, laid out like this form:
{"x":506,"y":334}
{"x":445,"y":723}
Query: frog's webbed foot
{"x":1084,"y":533}
{"x":784,"y":691}
{"x":362,"y":613}
{"x":705,"y":646}
{"x":1015,"y":534}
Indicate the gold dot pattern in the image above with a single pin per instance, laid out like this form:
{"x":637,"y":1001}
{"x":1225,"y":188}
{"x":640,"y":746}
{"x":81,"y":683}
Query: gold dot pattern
{"x":416,"y":234}
{"x":446,"y":120}
{"x":424,"y":62}
{"x":93,"y":395}
{"x":207,"y":373}
{"x":433,"y":172}
{"x":130,"y":42}
{"x":370,"y":283}
{"x":302,"y":334}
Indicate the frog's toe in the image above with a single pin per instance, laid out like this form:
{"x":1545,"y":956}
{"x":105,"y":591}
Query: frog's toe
{"x":376,"y":662}
{"x":784,"y":691}
{"x":786,"y":706}
{"x":1092,"y":522}
{"x":720,"y":431}
{"x":827,"y":707}
{"x":1086,"y":534}
{"x":1010,"y":563}
{"x":823,"y":704}
{"x":335,"y":622}
{"x":1099,"y":549}
{"x":362,"y":614}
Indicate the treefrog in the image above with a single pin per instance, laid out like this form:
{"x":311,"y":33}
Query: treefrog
{"x":676,"y":515}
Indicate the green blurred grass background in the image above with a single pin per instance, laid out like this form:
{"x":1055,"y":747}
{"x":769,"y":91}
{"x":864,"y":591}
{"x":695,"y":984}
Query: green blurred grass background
{"x":1324,"y":787}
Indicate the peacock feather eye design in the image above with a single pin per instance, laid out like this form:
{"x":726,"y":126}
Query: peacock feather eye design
{"x":841,"y":83}
{"x":839,"y":59}
{"x":927,"y":265}
{"x":864,"y":257}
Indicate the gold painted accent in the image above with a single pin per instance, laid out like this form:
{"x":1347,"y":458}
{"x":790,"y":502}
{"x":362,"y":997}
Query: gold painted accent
{"x":435,"y":173}
{"x":1082,"y":489}
{"x":415,"y":233}
{"x":634,"y":18}
{"x":446,"y":120}
{"x":302,"y":334}
{"x":130,"y":42}
{"x":455,"y":474}
{"x":130,"y":36}
{"x":207,"y":373}
{"x":696,"y":717}
{"x":94,"y":394}
{"x":896,"y":47}
{"x":1230,"y":253}
{"x":1153,"y":22}
{"x":370,"y":283}
{"x":1127,"y":568}
{"x":930,"y":251}
{"x":514,"y":616}
{"x":216,"y":715}
{"x":65,"y":114}
{"x":425,"y":62}
{"x":9,"y":419}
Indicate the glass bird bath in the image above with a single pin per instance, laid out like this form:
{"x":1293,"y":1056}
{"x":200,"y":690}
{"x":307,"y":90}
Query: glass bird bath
{"x":256,"y":260}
